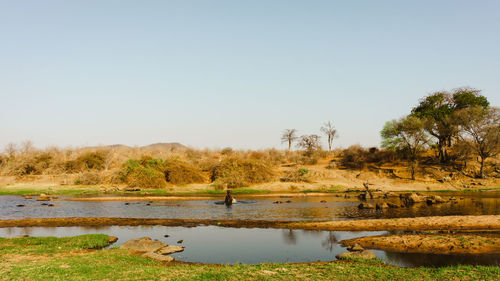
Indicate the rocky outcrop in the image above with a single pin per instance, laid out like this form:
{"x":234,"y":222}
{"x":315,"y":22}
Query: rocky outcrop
{"x":152,"y":249}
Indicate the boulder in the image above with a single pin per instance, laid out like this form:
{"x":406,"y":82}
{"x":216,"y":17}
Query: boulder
{"x":411,"y":198}
{"x":170,"y":250}
{"x":380,"y":206}
{"x":392,"y":205}
{"x":158,"y":257}
{"x":355,"y":248}
{"x":366,"y":254}
{"x":144,"y":244}
{"x":43,"y":197}
{"x":434,"y":199}
{"x":366,"y":206}
{"x":112,"y":239}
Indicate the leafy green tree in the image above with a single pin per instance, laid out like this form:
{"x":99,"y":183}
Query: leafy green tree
{"x":438,"y":111}
{"x":406,"y":135}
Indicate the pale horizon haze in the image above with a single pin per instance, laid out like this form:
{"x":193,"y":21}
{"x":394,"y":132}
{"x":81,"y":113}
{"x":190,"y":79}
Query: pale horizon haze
{"x":233,"y":73}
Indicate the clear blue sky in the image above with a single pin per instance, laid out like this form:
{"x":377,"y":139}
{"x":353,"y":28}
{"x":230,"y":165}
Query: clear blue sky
{"x":233,"y":73}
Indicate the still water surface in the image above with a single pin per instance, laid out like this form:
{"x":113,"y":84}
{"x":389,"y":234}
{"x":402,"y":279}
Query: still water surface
{"x":212,"y":244}
{"x":300,"y":208}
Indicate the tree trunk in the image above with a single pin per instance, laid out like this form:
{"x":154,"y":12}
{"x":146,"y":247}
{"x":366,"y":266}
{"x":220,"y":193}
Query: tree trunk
{"x":329,"y":144}
{"x":481,"y":171}
{"x":413,"y":167}
{"x":289,"y":145}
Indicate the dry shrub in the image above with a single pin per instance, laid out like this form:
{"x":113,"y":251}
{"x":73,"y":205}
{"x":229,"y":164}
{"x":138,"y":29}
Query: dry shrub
{"x":357,"y":157}
{"x":146,"y":173}
{"x":92,"y":160}
{"x":89,"y":178}
{"x":236,"y":172}
{"x":179,"y":172}
{"x":297,"y":175}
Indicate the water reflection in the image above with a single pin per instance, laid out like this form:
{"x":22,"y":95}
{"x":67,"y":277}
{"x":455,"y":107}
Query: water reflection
{"x":211,"y":244}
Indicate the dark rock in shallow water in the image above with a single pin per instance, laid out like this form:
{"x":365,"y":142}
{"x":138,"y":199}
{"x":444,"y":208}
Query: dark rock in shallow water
{"x":366,"y":206}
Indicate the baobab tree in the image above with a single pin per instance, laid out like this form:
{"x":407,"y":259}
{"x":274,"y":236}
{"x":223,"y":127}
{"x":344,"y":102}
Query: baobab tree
{"x":329,"y":130}
{"x":289,"y":136}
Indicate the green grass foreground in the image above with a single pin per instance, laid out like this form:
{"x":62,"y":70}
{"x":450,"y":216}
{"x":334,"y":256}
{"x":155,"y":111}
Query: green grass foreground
{"x":75,"y":258}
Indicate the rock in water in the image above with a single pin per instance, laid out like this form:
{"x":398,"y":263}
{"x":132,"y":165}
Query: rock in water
{"x":355,"y":248}
{"x":170,"y":250}
{"x":366,"y":254}
{"x":158,"y":257}
{"x":380,"y":206}
{"x":366,"y":206}
{"x":144,"y":244}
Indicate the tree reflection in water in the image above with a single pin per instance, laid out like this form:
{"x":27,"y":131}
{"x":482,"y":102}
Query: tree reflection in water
{"x":290,"y":237}
{"x":330,"y":241}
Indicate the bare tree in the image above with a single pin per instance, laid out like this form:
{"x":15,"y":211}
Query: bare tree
{"x":11,"y":149}
{"x":406,"y":135}
{"x":289,"y":136}
{"x":27,"y":146}
{"x":482,"y":128}
{"x":310,"y":142}
{"x":329,"y":130}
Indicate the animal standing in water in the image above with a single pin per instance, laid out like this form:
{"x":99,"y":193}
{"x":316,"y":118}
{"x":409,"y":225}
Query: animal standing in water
{"x":229,"y":199}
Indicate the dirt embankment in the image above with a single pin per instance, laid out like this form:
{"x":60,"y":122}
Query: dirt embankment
{"x":454,"y":244}
{"x":456,"y":223}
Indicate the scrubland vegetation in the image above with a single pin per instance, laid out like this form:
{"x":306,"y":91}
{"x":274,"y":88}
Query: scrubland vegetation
{"x":455,"y":133}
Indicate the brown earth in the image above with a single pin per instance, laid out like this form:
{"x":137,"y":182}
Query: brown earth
{"x":454,"y":244}
{"x":454,"y":223}
{"x":486,"y":222}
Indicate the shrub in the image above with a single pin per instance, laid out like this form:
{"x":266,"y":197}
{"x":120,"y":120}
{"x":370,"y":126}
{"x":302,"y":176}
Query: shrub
{"x":92,"y":160}
{"x":297,"y":175}
{"x":146,"y":172}
{"x":180,"y":172}
{"x":237,"y":172}
{"x":354,"y":157}
{"x":89,"y":178}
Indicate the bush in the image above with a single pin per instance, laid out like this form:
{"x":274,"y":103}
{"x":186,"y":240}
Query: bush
{"x":89,"y":178}
{"x":92,"y":160}
{"x":237,"y":172}
{"x":180,"y":172}
{"x":297,"y":175}
{"x":146,"y":172}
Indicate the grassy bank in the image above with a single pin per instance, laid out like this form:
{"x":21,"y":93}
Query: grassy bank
{"x":107,"y":190}
{"x":72,"y":258}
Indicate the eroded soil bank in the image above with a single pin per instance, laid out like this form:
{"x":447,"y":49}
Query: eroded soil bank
{"x":453,"y":223}
{"x":453,"y":244}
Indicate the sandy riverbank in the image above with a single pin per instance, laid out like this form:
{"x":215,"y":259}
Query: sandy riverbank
{"x":452,"y":223}
{"x":454,"y":244}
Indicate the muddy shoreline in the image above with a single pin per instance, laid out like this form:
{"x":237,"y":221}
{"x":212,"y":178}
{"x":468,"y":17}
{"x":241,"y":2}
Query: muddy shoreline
{"x":446,"y":223}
